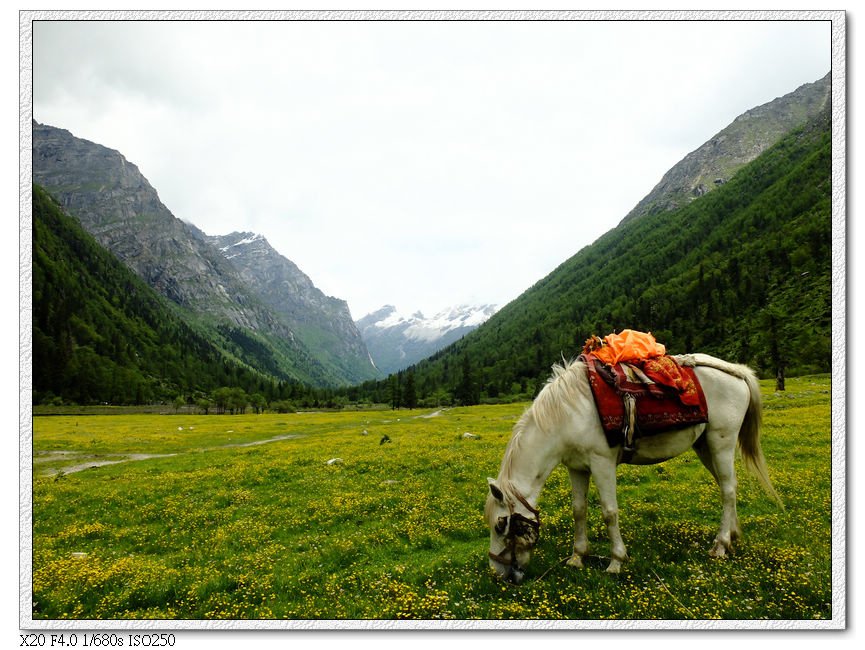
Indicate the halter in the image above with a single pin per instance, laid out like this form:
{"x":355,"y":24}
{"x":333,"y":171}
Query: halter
{"x":518,"y":525}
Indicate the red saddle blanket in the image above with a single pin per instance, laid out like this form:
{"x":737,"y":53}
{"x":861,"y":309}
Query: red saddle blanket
{"x":672,"y":398}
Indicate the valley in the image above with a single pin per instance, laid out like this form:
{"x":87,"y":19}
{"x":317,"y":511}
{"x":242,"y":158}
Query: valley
{"x":739,"y":268}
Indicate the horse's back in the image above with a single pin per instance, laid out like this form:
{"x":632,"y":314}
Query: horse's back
{"x":731,"y":392}
{"x":699,"y":360}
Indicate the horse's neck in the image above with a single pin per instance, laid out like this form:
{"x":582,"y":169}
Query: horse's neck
{"x":538,"y":456}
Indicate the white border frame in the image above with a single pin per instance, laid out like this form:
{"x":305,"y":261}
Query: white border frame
{"x":839,"y":321}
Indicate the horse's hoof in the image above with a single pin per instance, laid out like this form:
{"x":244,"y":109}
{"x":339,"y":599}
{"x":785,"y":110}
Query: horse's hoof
{"x":615,"y":566}
{"x":718,"y":550}
{"x":575,"y":561}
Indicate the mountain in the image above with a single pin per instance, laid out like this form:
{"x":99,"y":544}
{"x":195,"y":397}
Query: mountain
{"x":119,"y":207}
{"x":742,"y":272}
{"x":396,"y":342}
{"x":720,"y":157}
{"x":322,"y":323}
{"x":116,"y":204}
{"x":101,"y":334}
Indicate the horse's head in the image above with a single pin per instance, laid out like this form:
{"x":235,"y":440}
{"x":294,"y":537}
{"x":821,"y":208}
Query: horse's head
{"x":513,"y":534}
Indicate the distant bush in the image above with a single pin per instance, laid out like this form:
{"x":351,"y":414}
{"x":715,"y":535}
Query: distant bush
{"x":283,"y":406}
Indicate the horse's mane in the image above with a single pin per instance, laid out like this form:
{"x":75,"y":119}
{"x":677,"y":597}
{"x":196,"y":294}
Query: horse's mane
{"x":562,"y":390}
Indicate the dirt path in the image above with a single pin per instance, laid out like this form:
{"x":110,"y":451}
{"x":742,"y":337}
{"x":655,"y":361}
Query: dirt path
{"x":90,"y":461}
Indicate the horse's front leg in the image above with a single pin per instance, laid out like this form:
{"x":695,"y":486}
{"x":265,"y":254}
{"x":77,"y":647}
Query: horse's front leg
{"x":579,"y":490}
{"x":604,"y":472}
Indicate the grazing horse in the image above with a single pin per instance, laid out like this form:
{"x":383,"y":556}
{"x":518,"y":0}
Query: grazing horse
{"x":563,"y":426}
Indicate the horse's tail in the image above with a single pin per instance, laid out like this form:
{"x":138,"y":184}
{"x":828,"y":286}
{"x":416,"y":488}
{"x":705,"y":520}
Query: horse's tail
{"x":749,"y":433}
{"x":749,"y":437}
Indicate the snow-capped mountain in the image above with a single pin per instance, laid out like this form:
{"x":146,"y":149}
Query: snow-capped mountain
{"x":396,"y":341}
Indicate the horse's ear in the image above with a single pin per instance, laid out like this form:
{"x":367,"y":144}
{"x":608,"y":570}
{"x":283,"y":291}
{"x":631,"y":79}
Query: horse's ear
{"x":495,"y":490}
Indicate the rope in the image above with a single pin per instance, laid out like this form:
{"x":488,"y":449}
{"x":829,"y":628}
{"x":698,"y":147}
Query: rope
{"x":544,"y":574}
{"x":565,"y":559}
{"x":678,"y":602}
{"x":601,"y":557}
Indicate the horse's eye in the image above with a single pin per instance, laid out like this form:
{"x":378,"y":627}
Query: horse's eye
{"x":501,"y":525}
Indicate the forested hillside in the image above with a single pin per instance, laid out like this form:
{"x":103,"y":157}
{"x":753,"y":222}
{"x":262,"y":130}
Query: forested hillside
{"x":100,"y":334}
{"x":114,"y":203}
{"x":743,"y":272}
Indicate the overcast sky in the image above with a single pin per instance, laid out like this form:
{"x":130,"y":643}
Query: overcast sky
{"x":420,"y":164}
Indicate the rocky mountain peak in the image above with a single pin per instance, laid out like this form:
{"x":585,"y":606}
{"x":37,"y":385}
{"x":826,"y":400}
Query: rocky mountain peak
{"x":236,"y":292}
{"x":324,"y":322}
{"x":118,"y":206}
{"x":749,"y":135}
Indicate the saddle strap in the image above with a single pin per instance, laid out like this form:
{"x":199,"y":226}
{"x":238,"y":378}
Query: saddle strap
{"x":629,"y":429}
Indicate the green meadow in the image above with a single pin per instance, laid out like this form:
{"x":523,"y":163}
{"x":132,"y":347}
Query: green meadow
{"x":319,"y":516}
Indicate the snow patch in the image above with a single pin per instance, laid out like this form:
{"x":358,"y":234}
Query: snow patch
{"x":247,"y":240}
{"x":419,"y":328}
{"x":394,"y":319}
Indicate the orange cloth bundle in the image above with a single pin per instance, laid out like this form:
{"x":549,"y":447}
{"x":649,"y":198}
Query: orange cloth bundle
{"x":628,"y":345}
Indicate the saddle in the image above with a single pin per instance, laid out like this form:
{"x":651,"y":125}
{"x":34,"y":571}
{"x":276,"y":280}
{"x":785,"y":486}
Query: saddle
{"x":642,"y":397}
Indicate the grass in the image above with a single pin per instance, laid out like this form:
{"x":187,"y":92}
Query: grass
{"x":395,"y":530}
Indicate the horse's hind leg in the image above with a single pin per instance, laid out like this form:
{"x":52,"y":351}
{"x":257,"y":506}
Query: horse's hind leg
{"x":579,"y":490}
{"x":605,"y":480}
{"x":718,"y":457}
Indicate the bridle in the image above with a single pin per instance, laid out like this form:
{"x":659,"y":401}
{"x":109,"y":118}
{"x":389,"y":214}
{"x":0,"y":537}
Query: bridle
{"x":517,"y":526}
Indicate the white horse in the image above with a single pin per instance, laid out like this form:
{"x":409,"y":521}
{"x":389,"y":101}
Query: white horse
{"x":563,"y":426}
